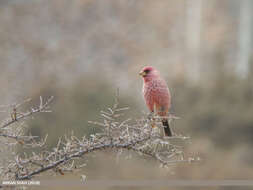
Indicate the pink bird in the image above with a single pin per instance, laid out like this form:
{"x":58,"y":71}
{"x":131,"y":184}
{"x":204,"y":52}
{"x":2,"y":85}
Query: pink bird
{"x":156,"y":94}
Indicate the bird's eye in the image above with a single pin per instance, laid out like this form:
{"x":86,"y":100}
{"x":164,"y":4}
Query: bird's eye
{"x":147,"y":71}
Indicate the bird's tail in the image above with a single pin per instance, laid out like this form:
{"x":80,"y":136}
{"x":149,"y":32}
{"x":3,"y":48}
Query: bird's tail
{"x":167,"y":129}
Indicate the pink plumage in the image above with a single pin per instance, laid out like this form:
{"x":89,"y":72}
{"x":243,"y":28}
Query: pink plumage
{"x":156,"y":94}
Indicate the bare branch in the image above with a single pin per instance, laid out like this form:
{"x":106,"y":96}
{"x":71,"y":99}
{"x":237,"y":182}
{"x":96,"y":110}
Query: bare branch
{"x":79,"y":154}
{"x":43,"y":107}
{"x":116,"y":134}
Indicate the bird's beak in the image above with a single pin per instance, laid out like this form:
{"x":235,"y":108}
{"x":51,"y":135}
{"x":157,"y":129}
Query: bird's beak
{"x":142,"y":73}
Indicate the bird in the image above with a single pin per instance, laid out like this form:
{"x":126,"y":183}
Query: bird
{"x":156,"y":95}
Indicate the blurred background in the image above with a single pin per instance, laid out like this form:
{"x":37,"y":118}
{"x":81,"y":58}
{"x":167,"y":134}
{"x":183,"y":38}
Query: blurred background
{"x":81,"y":51}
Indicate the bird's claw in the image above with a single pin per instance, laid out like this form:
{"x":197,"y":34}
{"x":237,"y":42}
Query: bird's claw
{"x":150,"y":116}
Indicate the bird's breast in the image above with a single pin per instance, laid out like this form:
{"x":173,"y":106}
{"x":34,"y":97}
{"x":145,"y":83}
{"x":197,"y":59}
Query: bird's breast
{"x":157,"y":93}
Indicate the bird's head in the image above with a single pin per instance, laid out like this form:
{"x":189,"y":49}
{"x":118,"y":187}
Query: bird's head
{"x":148,"y":73}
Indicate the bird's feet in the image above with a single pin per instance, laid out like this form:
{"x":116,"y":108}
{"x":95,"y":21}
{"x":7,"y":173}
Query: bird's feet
{"x":150,"y":116}
{"x":151,"y":119}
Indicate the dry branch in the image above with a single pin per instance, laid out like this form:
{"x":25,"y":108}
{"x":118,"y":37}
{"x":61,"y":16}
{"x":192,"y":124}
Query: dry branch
{"x":116,"y":134}
{"x":43,"y":107}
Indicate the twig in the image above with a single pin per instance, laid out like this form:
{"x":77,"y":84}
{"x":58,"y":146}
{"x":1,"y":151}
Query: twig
{"x":42,"y":108}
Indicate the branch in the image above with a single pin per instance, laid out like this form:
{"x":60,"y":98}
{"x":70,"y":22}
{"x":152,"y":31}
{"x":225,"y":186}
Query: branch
{"x":14,"y":117}
{"x":77,"y":155}
{"x":116,"y":133}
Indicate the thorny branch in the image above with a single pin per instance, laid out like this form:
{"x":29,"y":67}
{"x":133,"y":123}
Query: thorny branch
{"x":13,"y":127}
{"x":118,"y":134}
{"x":15,"y":116}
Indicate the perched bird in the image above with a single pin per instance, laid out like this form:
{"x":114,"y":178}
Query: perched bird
{"x":157,"y":95}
